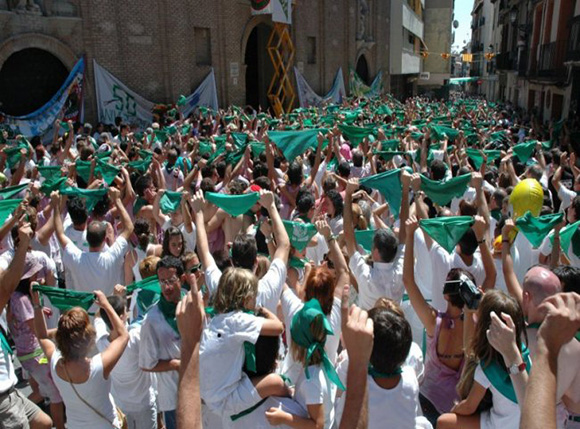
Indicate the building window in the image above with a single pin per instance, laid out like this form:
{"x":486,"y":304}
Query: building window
{"x":311,"y":43}
{"x":202,"y":46}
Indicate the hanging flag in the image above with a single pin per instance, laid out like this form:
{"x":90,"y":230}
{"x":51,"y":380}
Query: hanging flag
{"x":41,"y":120}
{"x":205,"y":95}
{"x":308,"y":97}
{"x":281,"y":10}
{"x":359,"y":89}
{"x":261,"y":7}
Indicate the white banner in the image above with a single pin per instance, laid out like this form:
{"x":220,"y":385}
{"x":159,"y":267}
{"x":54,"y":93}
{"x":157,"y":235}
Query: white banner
{"x":205,"y":95}
{"x":282,"y":11}
{"x":308,"y":97}
{"x":114,"y":100}
{"x":40,"y":121}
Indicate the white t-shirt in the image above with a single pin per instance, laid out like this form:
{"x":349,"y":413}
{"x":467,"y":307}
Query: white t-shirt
{"x":336,"y":224}
{"x":269,"y":287}
{"x":132,"y":388}
{"x":173,"y":179}
{"x":504,"y":413}
{"x":566,"y":196}
{"x":469,"y":196}
{"x":316,"y":253}
{"x":79,"y":238}
{"x":441,"y":263}
{"x":383,"y":279}
{"x":160,"y":342}
{"x":316,"y":390}
{"x":527,"y":256}
{"x":291,"y":305}
{"x":423,"y":270}
{"x":91,"y":271}
{"x":221,"y":358}
{"x":546,"y":250}
{"x":7,"y":375}
{"x":95,"y":391}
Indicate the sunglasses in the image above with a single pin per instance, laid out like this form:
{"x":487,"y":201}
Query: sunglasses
{"x":195,"y":268}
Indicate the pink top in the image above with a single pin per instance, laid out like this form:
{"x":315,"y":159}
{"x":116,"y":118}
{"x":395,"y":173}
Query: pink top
{"x":439,"y":384}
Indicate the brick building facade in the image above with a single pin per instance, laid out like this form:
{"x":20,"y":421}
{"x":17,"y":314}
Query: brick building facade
{"x":165,"y":48}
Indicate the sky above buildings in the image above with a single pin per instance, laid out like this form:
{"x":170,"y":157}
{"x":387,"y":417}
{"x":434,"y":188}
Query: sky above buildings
{"x":463,"y":16}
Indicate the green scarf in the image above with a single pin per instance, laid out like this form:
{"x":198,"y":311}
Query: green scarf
{"x":141,"y":165}
{"x":51,"y":185}
{"x":568,"y":235}
{"x":302,"y":336}
{"x":295,"y":262}
{"x":384,"y":109}
{"x":355,"y":135}
{"x":388,"y":155}
{"x":537,"y":228}
{"x":5,"y":346}
{"x":437,"y":132}
{"x":523,"y":151}
{"x":442,"y":192}
{"x":7,"y":208}
{"x":108,"y":171}
{"x":91,"y":196}
{"x":11,"y":191}
{"x":447,"y":231}
{"x":300,"y":233}
{"x":389,"y":185}
{"x":496,"y":214}
{"x":49,"y":171}
{"x":149,"y":293}
{"x":234,"y":205}
{"x":14,"y":155}
{"x":170,"y":202}
{"x":500,"y":378}
{"x":139,"y":204}
{"x":83,"y":169}
{"x":377,"y":374}
{"x":365,"y":239}
{"x":168,"y":311}
{"x":295,"y":143}
{"x":64,"y":299}
{"x":477,"y":158}
{"x":390,"y":145}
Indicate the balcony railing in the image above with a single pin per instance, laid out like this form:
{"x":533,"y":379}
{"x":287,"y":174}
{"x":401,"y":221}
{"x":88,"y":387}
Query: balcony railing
{"x":551,"y":60}
{"x":574,"y":45}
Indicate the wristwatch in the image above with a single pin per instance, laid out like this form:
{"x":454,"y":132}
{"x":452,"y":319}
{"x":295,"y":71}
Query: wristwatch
{"x":517,"y":368}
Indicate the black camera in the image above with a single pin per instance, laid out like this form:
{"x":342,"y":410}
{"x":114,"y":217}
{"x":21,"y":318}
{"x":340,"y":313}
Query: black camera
{"x":466,"y":289}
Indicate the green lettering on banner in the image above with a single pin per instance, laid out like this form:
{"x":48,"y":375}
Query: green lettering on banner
{"x":126,"y":102}
{"x":284,"y":4}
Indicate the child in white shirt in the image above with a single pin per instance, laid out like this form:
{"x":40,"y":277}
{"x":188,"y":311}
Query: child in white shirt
{"x":224,"y":388}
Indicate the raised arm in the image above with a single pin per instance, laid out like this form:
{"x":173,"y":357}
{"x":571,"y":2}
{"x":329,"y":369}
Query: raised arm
{"x":280,"y":234}
{"x":58,"y":228}
{"x":119,"y":335}
{"x":159,"y":217}
{"x":202,"y":243}
{"x":190,"y":315}
{"x":336,"y":256}
{"x":425,"y":312}
{"x":349,"y":237}
{"x":317,"y":161}
{"x":511,"y":281}
{"x":10,"y":277}
{"x":481,"y":202}
{"x":126,"y":221}
{"x":40,"y":329}
{"x":404,"y":214}
{"x":480,"y":227}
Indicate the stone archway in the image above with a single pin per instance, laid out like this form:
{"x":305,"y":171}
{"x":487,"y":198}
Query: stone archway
{"x":257,"y":66}
{"x":32,"y":69}
{"x":362,"y":69}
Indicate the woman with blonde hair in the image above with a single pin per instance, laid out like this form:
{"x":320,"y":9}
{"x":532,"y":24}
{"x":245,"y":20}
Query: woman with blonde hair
{"x":83,"y":381}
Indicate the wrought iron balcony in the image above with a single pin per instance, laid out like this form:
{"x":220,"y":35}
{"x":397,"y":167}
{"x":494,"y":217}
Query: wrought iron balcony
{"x":506,"y":61}
{"x":551,"y":60}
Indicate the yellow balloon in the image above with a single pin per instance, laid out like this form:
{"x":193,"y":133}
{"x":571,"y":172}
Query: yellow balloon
{"x":527,"y":195}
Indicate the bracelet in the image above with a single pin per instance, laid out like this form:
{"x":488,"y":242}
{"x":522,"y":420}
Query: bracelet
{"x":505,"y":241}
{"x":481,"y":241}
{"x":331,"y":238}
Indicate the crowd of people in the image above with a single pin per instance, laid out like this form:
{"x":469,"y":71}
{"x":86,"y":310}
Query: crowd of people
{"x":370,"y":264}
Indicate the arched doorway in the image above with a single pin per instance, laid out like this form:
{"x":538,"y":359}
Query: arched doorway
{"x":28,"y":79}
{"x":259,"y":68}
{"x":362,"y":69}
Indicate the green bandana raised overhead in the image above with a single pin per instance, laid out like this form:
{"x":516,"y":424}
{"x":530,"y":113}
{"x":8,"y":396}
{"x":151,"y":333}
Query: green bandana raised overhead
{"x":447,"y":231}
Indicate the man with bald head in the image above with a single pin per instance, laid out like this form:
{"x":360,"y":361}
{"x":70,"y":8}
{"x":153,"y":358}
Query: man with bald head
{"x":541,"y":283}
